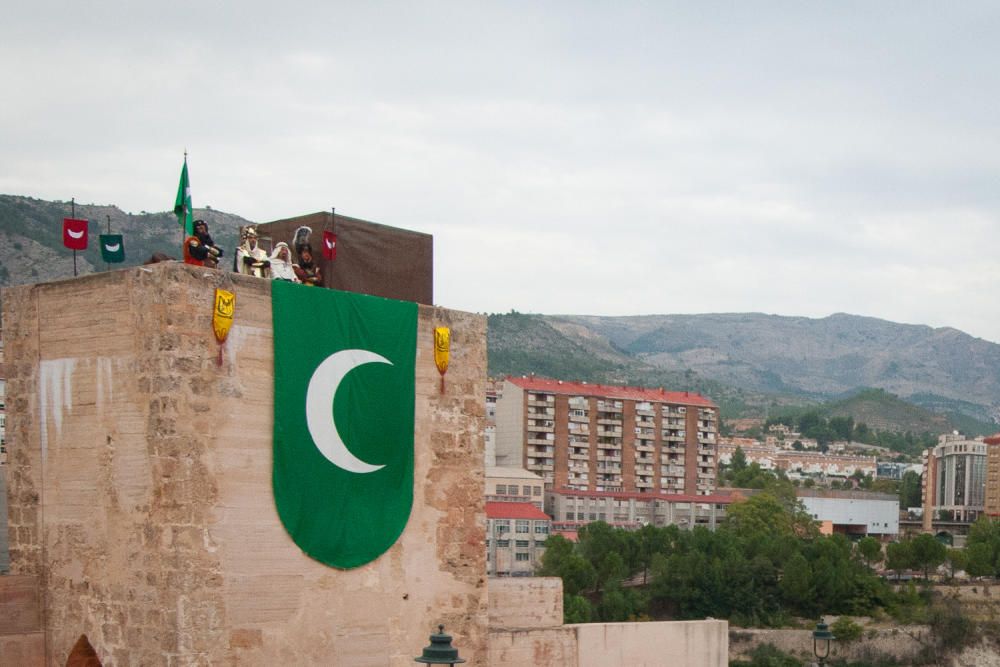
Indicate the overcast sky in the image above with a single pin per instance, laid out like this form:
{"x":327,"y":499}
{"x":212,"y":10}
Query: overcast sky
{"x":588,"y":158}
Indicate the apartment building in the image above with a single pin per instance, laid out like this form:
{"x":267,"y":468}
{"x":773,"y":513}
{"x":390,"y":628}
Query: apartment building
{"x":955,"y":475}
{"x":593,"y":437}
{"x":992,"y":506}
{"x":571,"y":509}
{"x":515,"y":538}
{"x":514,"y":485}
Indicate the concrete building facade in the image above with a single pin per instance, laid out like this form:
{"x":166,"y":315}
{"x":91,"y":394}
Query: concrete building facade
{"x":515,"y":538}
{"x":852,"y":512}
{"x":992,"y":503}
{"x":608,"y":438}
{"x":954,"y":479}
{"x":515,"y":485}
{"x":571,"y":509}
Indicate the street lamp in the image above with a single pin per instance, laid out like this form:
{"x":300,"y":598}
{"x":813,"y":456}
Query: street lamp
{"x":440,"y":651}
{"x":821,"y":642}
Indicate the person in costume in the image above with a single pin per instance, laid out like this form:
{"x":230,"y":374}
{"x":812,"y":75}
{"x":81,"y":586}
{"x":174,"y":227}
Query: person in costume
{"x":306,"y":270}
{"x":281,"y":264}
{"x":251,"y":259}
{"x":199,"y":248}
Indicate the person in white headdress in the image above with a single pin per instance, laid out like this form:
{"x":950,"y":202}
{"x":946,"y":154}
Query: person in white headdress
{"x":281,"y":263}
{"x":251,"y":259}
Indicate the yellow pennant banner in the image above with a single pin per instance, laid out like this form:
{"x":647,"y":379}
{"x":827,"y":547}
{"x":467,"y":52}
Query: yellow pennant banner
{"x":222,"y":317}
{"x":442,"y":348}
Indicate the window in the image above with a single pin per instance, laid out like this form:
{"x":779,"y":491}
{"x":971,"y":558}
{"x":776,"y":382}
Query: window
{"x":522,"y":526}
{"x":503,"y":543}
{"x":522,"y":544}
{"x":502,"y":527}
{"x":526,"y":491}
{"x":541,"y":528}
{"x":536,"y":491}
{"x":522,"y":557}
{"x":593,"y":516}
{"x":501,"y":489}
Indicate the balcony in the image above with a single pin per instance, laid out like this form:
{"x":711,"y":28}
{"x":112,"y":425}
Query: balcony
{"x":641,"y":484}
{"x":539,"y":403}
{"x":643,"y":446}
{"x":607,"y":421}
{"x":580,"y":419}
{"x":582,"y":456}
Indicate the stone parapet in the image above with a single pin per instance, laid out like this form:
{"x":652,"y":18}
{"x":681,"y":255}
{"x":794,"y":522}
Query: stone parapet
{"x":525,"y":602}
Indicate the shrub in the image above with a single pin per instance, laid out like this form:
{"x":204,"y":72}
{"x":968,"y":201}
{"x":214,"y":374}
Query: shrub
{"x":846,"y":630}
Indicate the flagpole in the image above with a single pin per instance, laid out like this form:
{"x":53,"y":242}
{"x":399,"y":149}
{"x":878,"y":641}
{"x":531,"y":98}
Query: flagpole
{"x":106,"y":264}
{"x":184,"y":224}
{"x":73,"y":215}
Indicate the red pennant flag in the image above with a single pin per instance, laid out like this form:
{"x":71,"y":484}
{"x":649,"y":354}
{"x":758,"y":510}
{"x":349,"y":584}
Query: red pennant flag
{"x":329,"y":245}
{"x":75,"y":234}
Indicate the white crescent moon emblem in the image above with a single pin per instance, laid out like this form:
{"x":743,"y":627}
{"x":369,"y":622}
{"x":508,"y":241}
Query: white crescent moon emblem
{"x":74,"y":235}
{"x":112,"y":248}
{"x":329,"y":243}
{"x":320,"y":395}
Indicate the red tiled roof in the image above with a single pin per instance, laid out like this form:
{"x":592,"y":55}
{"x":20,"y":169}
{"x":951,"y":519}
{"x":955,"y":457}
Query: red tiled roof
{"x":535,"y":383}
{"x":992,"y":440}
{"x":514,"y":511}
{"x":668,"y":497}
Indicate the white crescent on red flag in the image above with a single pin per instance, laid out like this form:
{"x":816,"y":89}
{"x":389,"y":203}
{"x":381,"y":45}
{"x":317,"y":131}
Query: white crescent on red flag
{"x":75,"y":233}
{"x":329,"y":245}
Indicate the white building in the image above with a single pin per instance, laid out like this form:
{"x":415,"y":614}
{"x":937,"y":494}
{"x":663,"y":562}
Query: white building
{"x":852,"y":512}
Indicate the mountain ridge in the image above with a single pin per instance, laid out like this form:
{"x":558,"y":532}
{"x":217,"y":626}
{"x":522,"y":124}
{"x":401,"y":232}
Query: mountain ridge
{"x":758,"y":358}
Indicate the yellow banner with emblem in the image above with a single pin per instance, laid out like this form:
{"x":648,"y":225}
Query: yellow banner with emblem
{"x":222,"y":317}
{"x":442,"y":348}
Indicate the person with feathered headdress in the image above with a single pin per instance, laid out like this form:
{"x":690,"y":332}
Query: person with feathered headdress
{"x":306,"y":270}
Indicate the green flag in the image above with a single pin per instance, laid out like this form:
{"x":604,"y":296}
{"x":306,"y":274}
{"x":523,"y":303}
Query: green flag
{"x":112,"y":248}
{"x":344,"y":397}
{"x":183,"y":208}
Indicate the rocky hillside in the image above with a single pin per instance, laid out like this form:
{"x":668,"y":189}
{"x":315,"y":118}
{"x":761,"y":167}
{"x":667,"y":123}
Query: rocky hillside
{"x":759,"y":360}
{"x":31,"y":248}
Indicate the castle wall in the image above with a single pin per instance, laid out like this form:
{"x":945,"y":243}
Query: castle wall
{"x":140,"y":484}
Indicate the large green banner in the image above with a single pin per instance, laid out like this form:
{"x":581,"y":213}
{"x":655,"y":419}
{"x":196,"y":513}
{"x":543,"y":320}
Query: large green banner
{"x":344,"y":397}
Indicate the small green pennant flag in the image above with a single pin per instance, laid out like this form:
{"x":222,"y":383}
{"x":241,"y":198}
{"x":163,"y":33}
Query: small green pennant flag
{"x":183,"y":208}
{"x":344,"y":372}
{"x":112,"y":248}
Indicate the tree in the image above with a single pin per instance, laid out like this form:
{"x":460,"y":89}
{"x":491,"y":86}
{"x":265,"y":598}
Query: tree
{"x":957,"y":560}
{"x":927,"y":552}
{"x":870,"y":549}
{"x":796,"y":583}
{"x":739,"y":460}
{"x":898,"y":557}
{"x":909,"y":490}
{"x":979,"y":560}
{"x":576,"y":609}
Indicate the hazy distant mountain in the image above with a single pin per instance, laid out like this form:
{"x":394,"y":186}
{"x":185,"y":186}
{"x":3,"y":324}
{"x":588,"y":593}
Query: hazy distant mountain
{"x":31,"y":248}
{"x":753,"y":356}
